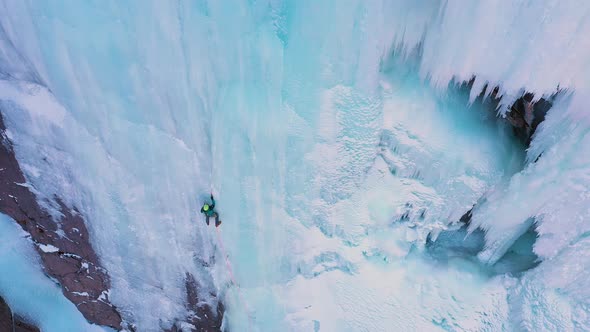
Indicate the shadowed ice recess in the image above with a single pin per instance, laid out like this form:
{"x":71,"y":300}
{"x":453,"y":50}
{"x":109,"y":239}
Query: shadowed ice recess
{"x":341,"y":152}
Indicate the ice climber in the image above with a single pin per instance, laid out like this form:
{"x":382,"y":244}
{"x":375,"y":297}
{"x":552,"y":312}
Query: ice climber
{"x":209,"y":211}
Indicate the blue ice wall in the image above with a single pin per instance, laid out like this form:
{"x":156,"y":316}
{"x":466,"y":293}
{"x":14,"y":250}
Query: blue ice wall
{"x":331,"y":160}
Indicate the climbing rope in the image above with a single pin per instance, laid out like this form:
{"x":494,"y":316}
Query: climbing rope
{"x":233,"y":279}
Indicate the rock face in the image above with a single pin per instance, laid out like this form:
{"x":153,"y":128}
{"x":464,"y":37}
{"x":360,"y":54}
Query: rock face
{"x":525,"y":115}
{"x":11,"y":323}
{"x":202,"y":316}
{"x":66,"y":252}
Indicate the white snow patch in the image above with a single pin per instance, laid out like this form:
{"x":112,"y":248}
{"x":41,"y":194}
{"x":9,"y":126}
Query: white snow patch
{"x":48,"y":248}
{"x":104,"y":296}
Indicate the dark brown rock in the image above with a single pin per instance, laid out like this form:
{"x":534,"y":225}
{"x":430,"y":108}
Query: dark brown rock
{"x":204,"y":318}
{"x":5,"y":317}
{"x":22,"y":326}
{"x":75,"y":265}
{"x":524,"y":115}
{"x":13,"y":323}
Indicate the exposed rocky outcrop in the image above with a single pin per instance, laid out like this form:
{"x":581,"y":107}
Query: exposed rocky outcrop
{"x":524,"y":115}
{"x":202,"y":317}
{"x":64,"y":246}
{"x":13,"y":323}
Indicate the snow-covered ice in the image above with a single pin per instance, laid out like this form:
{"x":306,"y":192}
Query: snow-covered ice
{"x":336,"y":140}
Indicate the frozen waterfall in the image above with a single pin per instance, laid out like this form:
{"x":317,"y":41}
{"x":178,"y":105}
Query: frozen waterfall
{"x":340,"y":138}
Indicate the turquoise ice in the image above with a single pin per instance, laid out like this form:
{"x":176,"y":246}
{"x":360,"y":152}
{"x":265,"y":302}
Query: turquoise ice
{"x":335,"y":140}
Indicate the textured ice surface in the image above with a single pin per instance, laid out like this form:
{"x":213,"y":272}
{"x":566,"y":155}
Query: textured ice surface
{"x":26,"y":288}
{"x":331,"y":160}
